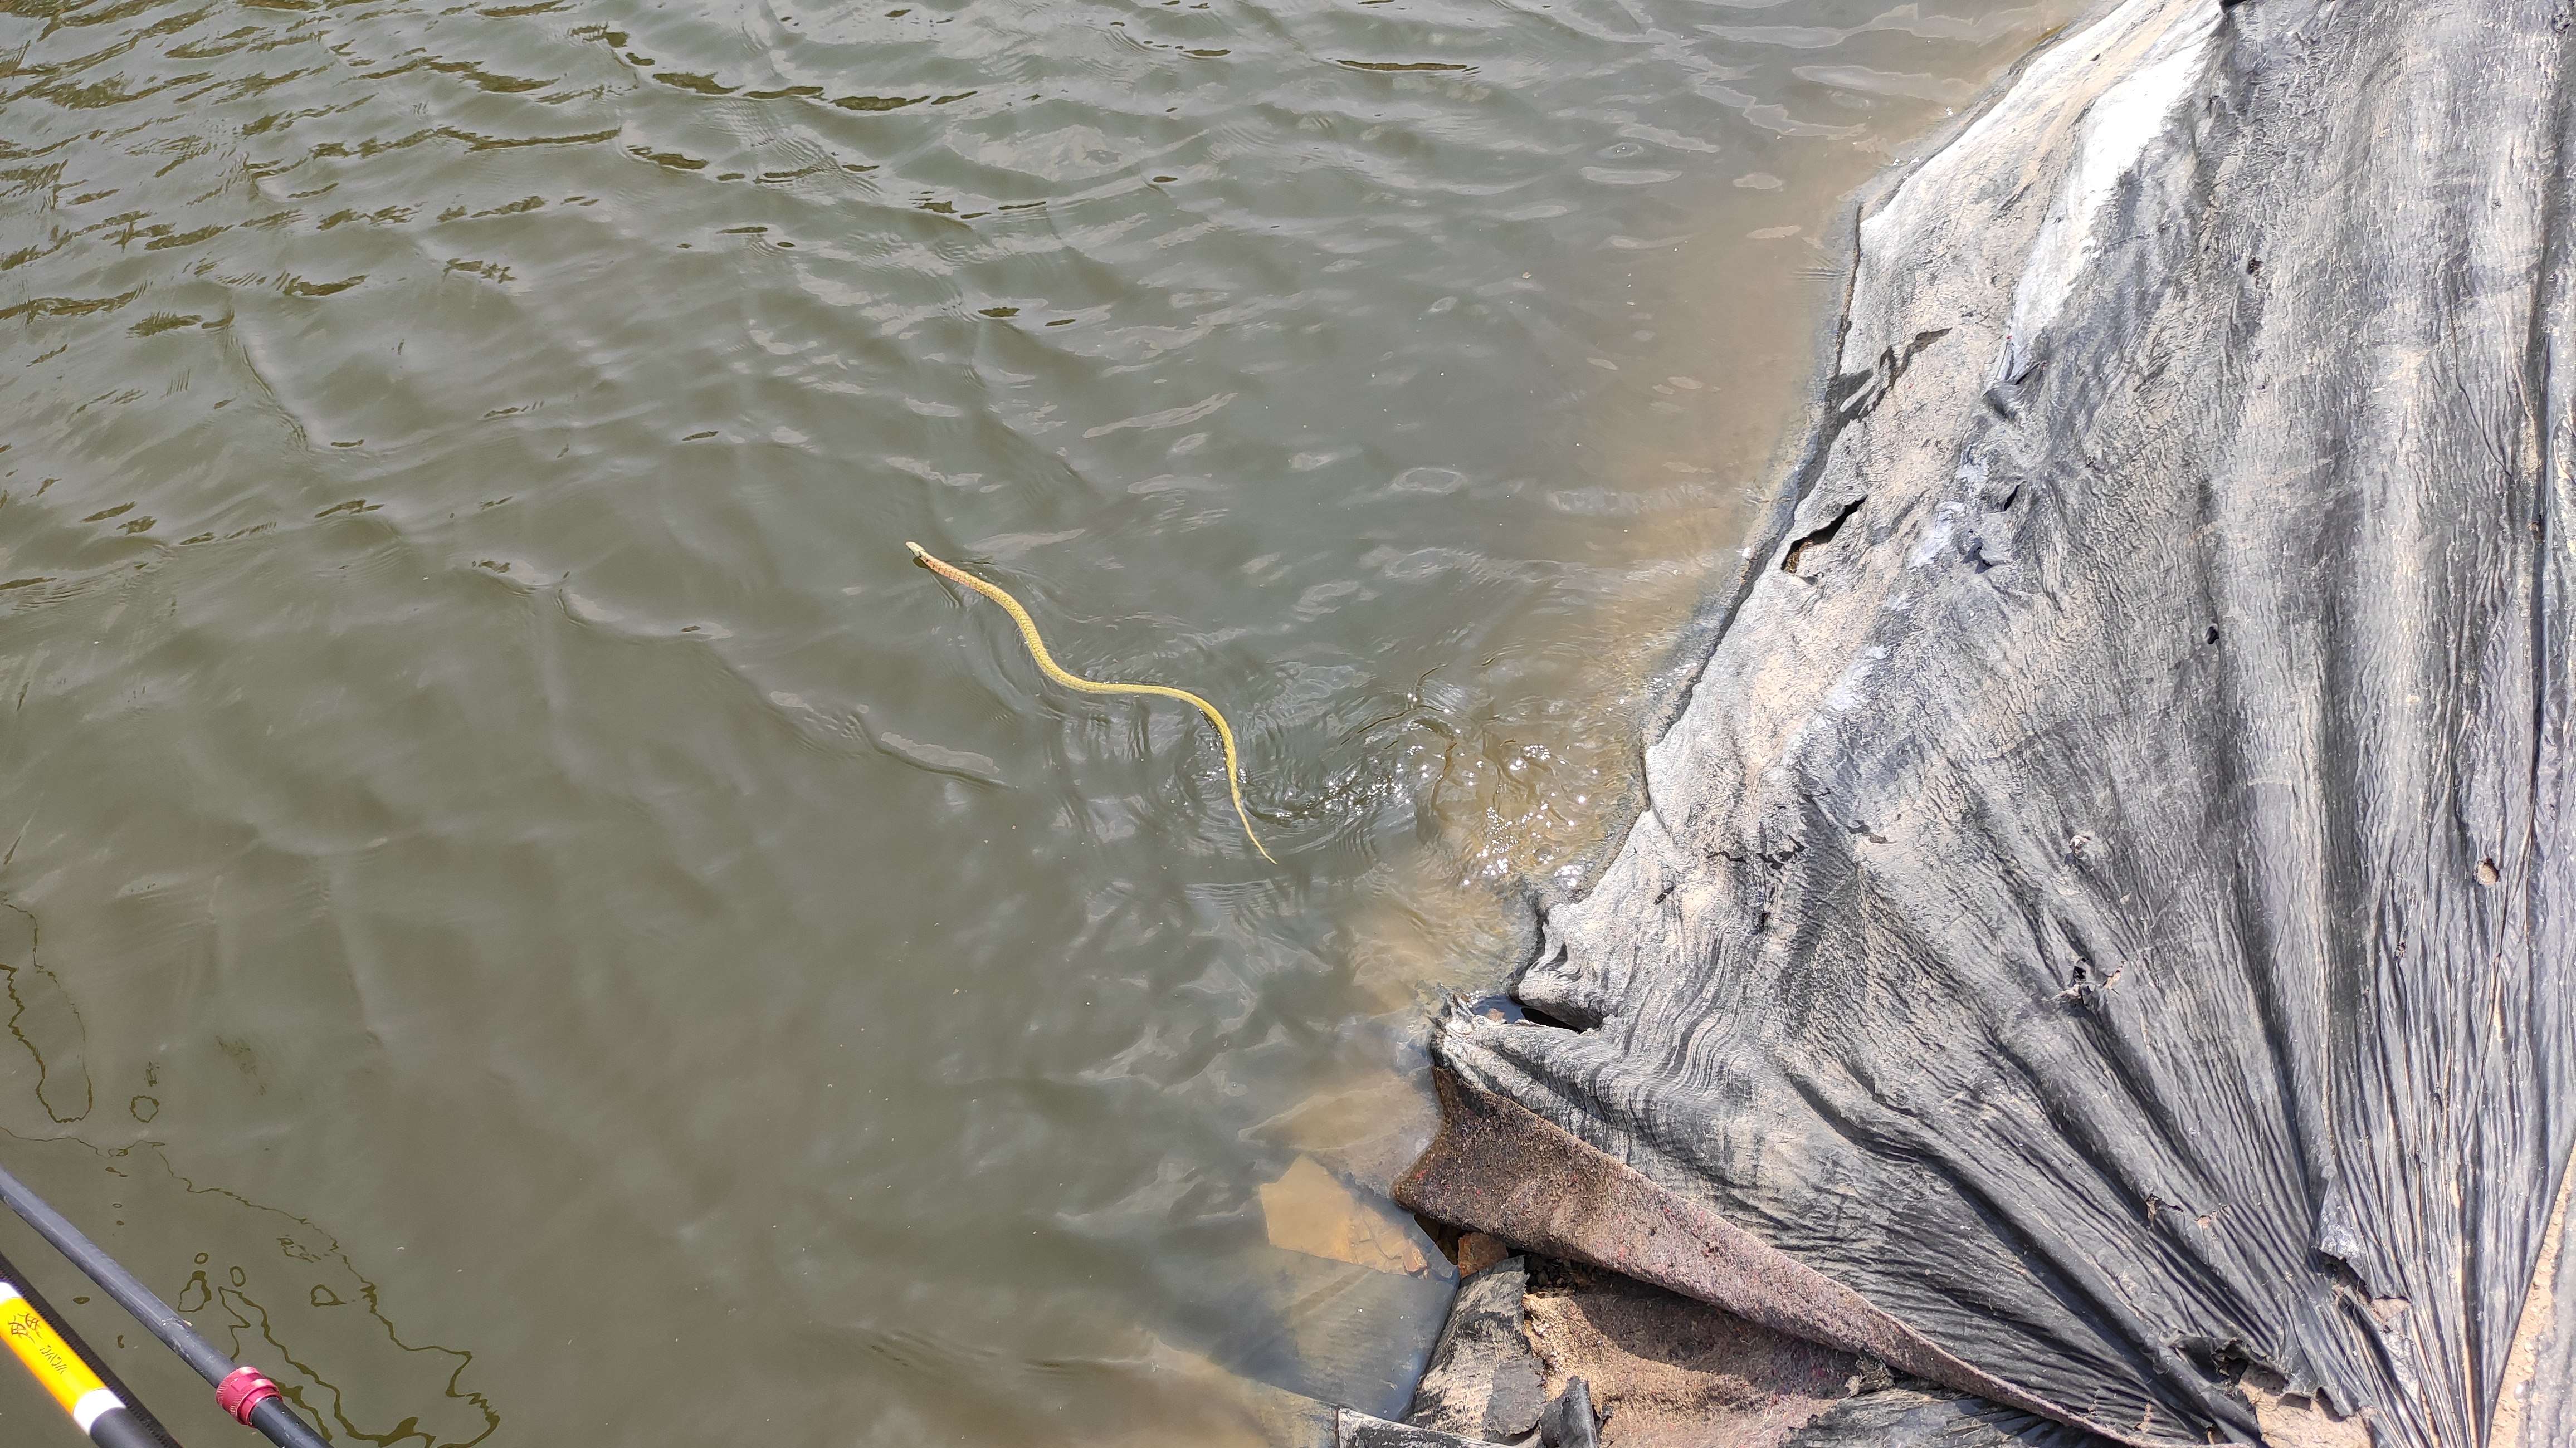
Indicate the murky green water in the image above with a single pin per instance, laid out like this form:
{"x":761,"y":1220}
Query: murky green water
{"x":527,"y":915}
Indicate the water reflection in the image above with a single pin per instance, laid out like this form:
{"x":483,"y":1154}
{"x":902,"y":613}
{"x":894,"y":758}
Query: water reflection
{"x":485,"y":777}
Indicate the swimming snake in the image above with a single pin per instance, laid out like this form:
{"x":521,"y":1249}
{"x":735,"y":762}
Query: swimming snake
{"x":1055,"y":671}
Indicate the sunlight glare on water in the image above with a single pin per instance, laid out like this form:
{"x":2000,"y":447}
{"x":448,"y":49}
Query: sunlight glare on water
{"x":524,"y":913}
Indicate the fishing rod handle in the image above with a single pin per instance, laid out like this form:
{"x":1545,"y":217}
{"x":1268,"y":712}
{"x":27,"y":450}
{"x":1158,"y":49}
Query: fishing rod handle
{"x":93,"y":1407}
{"x":115,"y":1281}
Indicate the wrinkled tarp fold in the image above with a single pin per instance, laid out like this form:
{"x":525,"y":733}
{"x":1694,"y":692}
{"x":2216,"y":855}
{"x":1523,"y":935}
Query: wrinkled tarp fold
{"x":2104,"y":906}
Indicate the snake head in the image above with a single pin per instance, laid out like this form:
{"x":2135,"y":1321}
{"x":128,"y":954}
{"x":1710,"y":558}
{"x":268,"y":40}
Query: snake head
{"x":919,"y":554}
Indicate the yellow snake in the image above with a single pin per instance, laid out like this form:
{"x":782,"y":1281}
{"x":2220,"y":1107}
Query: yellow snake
{"x":1057,"y":672}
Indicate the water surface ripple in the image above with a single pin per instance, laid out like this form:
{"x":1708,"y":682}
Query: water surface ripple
{"x":526,"y":912}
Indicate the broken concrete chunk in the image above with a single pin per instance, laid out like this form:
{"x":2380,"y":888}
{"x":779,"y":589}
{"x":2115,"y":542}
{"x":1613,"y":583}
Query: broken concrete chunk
{"x":1476,"y":1252}
{"x":1568,"y":1421}
{"x":1484,"y":1383}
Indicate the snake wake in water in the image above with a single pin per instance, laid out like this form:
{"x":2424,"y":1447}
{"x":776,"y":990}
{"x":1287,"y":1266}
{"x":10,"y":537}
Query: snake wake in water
{"x":1057,"y":672}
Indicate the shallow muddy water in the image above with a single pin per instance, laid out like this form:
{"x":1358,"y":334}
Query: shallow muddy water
{"x":528,"y":916}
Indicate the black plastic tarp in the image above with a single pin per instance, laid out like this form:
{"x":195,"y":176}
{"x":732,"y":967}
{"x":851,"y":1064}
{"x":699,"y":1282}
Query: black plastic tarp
{"x":2097,"y":934}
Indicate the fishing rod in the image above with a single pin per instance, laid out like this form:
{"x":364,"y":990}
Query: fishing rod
{"x":83,"y":1385}
{"x":243,"y":1392}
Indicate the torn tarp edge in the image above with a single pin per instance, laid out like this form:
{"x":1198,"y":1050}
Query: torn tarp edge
{"x":1504,"y":1171}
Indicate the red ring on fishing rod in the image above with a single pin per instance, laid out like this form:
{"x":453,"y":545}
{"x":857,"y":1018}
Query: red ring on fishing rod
{"x":242,"y":1391}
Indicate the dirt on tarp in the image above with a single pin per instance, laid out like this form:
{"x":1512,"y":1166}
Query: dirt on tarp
{"x":1667,"y":1372}
{"x":2097,"y":936}
{"x":1536,"y":1350}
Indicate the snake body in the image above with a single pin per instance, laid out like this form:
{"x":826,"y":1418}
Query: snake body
{"x":1053,"y":670}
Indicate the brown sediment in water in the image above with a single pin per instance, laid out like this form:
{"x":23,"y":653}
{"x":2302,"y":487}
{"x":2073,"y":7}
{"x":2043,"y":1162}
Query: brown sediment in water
{"x":1684,"y":440}
{"x":1538,"y":781}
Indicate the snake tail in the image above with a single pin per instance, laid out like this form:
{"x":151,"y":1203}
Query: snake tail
{"x":1053,"y":670}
